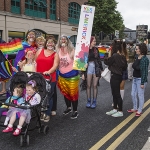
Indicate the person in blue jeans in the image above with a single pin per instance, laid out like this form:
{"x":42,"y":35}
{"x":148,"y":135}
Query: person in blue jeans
{"x":139,"y":82}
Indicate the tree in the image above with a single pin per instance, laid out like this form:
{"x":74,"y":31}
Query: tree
{"x":106,"y":18}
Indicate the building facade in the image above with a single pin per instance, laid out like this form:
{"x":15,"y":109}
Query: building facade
{"x":52,"y":17}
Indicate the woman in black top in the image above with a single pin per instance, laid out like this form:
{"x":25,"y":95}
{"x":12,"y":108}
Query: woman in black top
{"x":93,"y":73}
{"x":117,"y":63}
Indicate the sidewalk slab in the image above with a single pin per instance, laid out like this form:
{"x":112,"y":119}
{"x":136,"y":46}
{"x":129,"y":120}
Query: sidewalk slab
{"x":147,"y":145}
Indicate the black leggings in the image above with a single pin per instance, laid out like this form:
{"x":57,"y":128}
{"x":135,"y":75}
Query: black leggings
{"x":115,"y":88}
{"x":74,"y":103}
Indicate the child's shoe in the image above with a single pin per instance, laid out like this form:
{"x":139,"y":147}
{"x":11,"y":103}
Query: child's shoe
{"x":8,"y":129}
{"x":17,"y":132}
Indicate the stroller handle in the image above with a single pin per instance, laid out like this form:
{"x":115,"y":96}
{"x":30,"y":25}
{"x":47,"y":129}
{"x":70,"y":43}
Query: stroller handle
{"x":17,"y":106}
{"x":31,"y":72}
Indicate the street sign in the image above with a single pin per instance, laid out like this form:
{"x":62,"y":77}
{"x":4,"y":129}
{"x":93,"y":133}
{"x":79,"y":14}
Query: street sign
{"x":117,"y":33}
{"x":141,"y":31}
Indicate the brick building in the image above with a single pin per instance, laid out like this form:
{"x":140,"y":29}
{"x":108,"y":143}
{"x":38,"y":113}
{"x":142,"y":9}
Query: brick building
{"x":52,"y":17}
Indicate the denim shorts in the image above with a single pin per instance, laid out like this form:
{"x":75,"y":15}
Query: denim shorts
{"x":91,"y":68}
{"x":125,"y":75}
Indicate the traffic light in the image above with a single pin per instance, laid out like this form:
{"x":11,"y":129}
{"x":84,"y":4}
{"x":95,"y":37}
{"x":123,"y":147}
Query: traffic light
{"x":148,"y":35}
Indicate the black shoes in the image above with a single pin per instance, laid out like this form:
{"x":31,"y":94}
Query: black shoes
{"x":67,"y":111}
{"x":74,"y":115}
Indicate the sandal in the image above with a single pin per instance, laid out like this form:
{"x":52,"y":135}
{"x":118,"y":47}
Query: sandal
{"x":2,"y":92}
{"x":17,"y":132}
{"x":138,"y":114}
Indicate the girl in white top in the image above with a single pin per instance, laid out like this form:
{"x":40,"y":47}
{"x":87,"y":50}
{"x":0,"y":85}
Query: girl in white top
{"x":29,"y":63}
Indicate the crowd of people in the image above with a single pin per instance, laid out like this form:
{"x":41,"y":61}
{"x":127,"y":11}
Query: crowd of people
{"x":56,"y":59}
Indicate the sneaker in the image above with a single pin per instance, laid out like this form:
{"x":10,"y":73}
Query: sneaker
{"x":148,"y":129}
{"x":8,"y":129}
{"x":131,"y":110}
{"x":118,"y":114}
{"x":47,"y":119}
{"x":74,"y":115}
{"x":88,"y":104}
{"x":111,"y":112}
{"x":53,"y":113}
{"x":17,"y":132}
{"x":93,"y":104}
{"x":67,"y":111}
{"x":42,"y":116}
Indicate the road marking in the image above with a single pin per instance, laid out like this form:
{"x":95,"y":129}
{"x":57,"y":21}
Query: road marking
{"x":115,"y":130}
{"x":128,"y":131}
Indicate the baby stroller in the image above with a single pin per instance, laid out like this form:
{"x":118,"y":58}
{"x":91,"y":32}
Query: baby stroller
{"x":35,"y":123}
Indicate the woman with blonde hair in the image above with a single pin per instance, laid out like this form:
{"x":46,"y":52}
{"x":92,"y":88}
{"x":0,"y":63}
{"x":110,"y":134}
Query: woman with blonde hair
{"x":40,"y":42}
{"x":68,"y":80}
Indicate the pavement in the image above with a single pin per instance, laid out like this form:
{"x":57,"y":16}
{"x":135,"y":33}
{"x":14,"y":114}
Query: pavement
{"x":92,"y":127}
{"x":147,"y":145}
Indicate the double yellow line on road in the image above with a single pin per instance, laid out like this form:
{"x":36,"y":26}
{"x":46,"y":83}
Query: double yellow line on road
{"x":115,"y":144}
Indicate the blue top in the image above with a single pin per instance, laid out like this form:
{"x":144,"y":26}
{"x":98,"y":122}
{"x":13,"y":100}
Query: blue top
{"x":8,"y":100}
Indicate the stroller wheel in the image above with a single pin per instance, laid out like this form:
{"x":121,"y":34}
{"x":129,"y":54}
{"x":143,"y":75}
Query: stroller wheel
{"x":41,"y":128}
{"x":27,"y":140}
{"x":21,"y":140}
{"x":46,"y":129}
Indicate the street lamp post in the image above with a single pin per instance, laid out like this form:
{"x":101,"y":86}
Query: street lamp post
{"x":59,"y":18}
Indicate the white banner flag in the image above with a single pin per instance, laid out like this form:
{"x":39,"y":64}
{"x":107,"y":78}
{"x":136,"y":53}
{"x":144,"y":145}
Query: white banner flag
{"x":83,"y":37}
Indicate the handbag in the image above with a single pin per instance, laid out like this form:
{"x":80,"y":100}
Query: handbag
{"x":106,"y":74}
{"x":83,"y":85}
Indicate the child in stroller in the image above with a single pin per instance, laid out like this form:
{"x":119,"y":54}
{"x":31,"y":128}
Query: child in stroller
{"x":16,"y":99}
{"x":32,"y":98}
{"x":22,"y":78}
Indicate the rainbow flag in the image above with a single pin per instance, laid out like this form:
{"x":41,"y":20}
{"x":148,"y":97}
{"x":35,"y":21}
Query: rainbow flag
{"x":102,"y":51}
{"x":9,"y":48}
{"x":5,"y":70}
{"x":5,"y":67}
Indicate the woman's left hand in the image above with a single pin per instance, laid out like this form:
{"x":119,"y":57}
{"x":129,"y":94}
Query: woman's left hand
{"x":142,"y":86}
{"x":46,"y":72}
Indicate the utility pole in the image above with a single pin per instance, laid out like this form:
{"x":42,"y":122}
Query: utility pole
{"x":60,"y":15}
{"x":5,"y":21}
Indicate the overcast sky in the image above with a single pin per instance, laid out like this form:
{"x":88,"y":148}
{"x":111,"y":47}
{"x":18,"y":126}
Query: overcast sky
{"x":134,"y":12}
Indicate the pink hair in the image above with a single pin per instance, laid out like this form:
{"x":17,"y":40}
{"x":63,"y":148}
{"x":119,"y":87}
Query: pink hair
{"x":92,"y":38}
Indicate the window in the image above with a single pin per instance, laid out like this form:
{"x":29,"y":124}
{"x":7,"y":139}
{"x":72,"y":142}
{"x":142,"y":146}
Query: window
{"x":16,"y":34}
{"x":74,"y":13}
{"x":15,"y":6}
{"x":53,"y":9}
{"x":36,"y":8}
{"x":73,"y":39}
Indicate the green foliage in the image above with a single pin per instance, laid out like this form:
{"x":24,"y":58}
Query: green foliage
{"x":107,"y":18}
